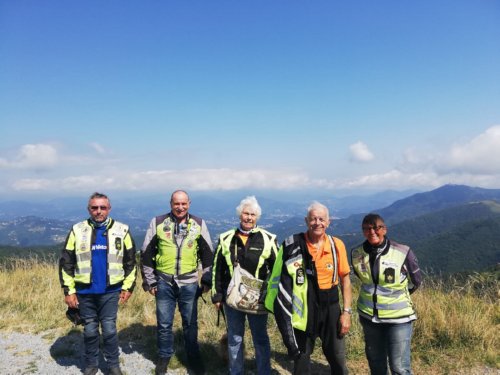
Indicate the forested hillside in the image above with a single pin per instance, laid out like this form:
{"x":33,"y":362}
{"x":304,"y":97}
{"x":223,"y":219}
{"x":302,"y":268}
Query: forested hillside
{"x":451,"y":229}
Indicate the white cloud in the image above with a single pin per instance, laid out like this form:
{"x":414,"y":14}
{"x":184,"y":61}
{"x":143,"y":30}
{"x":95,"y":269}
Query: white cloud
{"x":479,"y":156}
{"x":474,"y":163}
{"x":32,"y":156}
{"x":190,"y":179}
{"x":360,"y":152}
{"x":98,"y":148}
{"x":33,"y":184}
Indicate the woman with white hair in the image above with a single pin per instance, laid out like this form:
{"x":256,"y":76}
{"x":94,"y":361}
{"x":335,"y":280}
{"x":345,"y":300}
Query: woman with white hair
{"x":254,"y":250}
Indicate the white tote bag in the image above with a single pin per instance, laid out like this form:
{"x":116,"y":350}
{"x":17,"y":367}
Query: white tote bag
{"x":243,"y":292}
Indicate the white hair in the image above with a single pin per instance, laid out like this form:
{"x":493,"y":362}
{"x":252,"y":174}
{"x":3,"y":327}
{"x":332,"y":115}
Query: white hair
{"x":251,"y":202}
{"x":317,"y":206}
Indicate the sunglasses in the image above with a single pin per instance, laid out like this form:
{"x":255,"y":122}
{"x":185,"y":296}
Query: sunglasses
{"x":376,"y":229}
{"x":95,"y":208}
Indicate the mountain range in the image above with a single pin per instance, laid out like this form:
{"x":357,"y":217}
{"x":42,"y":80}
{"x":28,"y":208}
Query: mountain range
{"x":453,"y":228}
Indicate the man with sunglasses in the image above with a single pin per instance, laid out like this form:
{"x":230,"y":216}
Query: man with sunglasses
{"x":97,"y":269}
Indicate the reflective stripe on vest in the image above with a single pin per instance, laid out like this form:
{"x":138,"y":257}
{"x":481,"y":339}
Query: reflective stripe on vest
{"x":299,"y":293}
{"x":389,"y":298}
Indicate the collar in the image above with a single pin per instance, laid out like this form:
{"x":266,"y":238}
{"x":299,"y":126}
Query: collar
{"x":245,"y":232}
{"x":378,"y":249}
{"x":104,"y":224}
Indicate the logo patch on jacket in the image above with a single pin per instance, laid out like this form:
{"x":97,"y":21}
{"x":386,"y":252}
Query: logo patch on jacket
{"x":299,"y":279}
{"x":118,"y":244}
{"x":390,"y":275}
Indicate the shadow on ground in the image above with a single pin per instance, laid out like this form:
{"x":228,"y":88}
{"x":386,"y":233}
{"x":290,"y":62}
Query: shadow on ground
{"x":67,"y":351}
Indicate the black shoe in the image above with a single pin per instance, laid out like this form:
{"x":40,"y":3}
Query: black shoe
{"x":115,"y":371}
{"x":90,"y":371}
{"x":161,"y":366}
{"x":196,"y":365}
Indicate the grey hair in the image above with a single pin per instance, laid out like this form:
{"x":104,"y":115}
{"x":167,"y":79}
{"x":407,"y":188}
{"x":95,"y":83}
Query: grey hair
{"x":315,"y":205}
{"x":252,"y":202}
{"x":98,"y":195}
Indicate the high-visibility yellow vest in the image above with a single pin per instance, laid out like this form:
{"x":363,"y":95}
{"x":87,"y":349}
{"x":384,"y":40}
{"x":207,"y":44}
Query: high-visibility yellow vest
{"x":172,"y":259}
{"x":225,"y":244}
{"x":296,"y":269}
{"x":388,"y":297}
{"x":80,"y":241}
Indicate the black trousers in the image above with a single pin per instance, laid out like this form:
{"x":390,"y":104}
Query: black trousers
{"x":332,"y":344}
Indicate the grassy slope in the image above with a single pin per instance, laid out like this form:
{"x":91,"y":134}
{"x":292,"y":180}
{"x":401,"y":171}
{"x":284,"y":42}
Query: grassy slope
{"x":458,"y":326}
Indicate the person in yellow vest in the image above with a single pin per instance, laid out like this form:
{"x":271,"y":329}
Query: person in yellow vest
{"x":175,"y":245}
{"x":303,"y":293}
{"x":389,"y":273}
{"x":97,"y":270}
{"x":254,"y":249}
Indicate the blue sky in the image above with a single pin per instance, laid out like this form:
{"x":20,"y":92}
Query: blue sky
{"x":152,"y":96}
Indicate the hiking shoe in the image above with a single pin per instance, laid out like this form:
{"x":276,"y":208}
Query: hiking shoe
{"x":161,"y":366}
{"x":90,"y":371}
{"x":115,"y":371}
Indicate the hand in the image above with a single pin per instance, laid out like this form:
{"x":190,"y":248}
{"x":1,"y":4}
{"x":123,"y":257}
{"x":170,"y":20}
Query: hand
{"x":71,"y":300}
{"x":218,"y":305}
{"x":345,"y":323}
{"x":124,"y":296}
{"x":152,"y":291}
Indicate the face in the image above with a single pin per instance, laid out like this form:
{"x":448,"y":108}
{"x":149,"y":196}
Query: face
{"x":248,"y":218}
{"x":375,"y":234}
{"x":317,"y":222}
{"x":180,"y":205}
{"x":99,"y":209}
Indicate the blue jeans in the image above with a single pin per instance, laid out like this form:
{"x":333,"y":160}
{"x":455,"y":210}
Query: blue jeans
{"x":235,"y":331}
{"x":167,"y":297}
{"x":388,"y":340}
{"x":95,"y":309}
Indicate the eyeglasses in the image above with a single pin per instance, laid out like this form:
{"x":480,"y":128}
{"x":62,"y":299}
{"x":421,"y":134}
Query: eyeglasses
{"x":95,"y":208}
{"x":376,"y":229}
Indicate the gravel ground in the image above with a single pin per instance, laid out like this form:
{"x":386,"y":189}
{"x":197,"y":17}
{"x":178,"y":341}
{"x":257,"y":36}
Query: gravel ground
{"x":48,"y":353}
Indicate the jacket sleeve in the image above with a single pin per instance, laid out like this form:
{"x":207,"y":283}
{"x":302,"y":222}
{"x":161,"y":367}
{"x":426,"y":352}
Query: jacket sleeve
{"x":205,"y":254}
{"x":67,"y":264}
{"x":413,"y":269}
{"x":283,"y":303}
{"x":148,"y":255}
{"x":219,"y":268}
{"x":129,"y":263}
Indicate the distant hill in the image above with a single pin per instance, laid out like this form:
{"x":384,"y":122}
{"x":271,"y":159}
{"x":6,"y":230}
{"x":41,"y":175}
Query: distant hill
{"x":452,"y":228}
{"x":417,"y":205}
{"x":32,"y":231}
{"x":456,"y":239}
{"x":435,"y":200}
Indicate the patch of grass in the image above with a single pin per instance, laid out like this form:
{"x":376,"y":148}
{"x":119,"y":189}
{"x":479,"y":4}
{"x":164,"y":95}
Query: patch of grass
{"x":457,"y":329}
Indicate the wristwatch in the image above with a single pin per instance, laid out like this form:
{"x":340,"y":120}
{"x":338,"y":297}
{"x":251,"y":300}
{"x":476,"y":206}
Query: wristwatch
{"x":348,"y":310}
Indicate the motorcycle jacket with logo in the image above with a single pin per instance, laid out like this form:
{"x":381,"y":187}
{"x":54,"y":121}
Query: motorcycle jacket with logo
{"x":75,"y":264}
{"x":257,"y":256}
{"x":164,"y":256}
{"x":384,"y":294}
{"x":293,"y":292}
